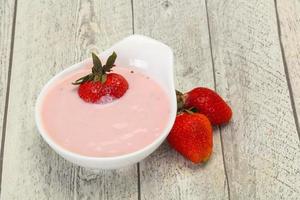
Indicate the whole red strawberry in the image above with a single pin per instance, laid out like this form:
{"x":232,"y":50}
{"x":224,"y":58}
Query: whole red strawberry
{"x":209,"y":103}
{"x":192,"y":136}
{"x":99,"y":84}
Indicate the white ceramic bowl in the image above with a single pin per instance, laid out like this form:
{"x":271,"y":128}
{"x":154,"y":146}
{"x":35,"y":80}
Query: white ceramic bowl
{"x":156,"y":60}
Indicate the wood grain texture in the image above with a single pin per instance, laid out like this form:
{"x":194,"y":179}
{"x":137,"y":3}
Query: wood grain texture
{"x":289,"y":20}
{"x":261,"y":145}
{"x":182,"y":25}
{"x":6,"y":21}
{"x":51,"y":35}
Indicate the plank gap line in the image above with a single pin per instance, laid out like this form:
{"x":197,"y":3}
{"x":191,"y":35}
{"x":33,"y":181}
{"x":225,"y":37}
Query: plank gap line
{"x":132,"y":16}
{"x":138,"y":180}
{"x":215,"y":87}
{"x":138,"y":164}
{"x":224,"y":164}
{"x":75,"y":193}
{"x":7,"y":89}
{"x":286,"y":70}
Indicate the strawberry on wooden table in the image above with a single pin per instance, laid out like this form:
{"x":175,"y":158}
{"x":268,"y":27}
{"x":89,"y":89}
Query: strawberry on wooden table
{"x":100,"y":82}
{"x":192,"y":136}
{"x":207,"y":102}
{"x":192,"y":133}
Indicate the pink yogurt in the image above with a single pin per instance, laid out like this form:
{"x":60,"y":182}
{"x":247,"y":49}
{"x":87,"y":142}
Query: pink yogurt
{"x":123,"y":126}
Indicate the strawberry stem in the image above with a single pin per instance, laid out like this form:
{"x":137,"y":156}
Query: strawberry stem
{"x":180,"y":100}
{"x":180,"y":97}
{"x":99,"y":72}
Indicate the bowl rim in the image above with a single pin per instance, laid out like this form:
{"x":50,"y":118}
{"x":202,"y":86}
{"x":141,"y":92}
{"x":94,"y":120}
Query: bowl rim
{"x":59,"y":149}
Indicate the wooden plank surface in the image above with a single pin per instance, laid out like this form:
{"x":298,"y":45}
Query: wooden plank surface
{"x":6,"y":22}
{"x":182,"y":25}
{"x":289,"y":20}
{"x":261,"y":145}
{"x":51,"y":35}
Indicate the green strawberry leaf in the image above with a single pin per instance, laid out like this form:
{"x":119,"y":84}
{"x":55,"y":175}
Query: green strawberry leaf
{"x":98,"y":71}
{"x":110,"y":62}
{"x":111,"y":59}
{"x":97,"y":63}
{"x":104,"y":78}
{"x":83,"y":79}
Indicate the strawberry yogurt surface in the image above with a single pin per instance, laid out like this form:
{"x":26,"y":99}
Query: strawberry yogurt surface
{"x":106,"y":129}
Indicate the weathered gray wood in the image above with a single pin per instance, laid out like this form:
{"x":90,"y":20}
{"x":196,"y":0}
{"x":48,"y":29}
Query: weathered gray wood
{"x":51,"y":35}
{"x":261,"y":145}
{"x":182,"y":25}
{"x":6,"y":21}
{"x":289,"y":18}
